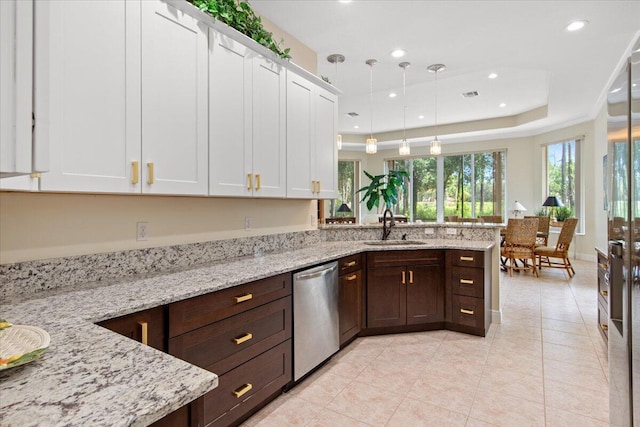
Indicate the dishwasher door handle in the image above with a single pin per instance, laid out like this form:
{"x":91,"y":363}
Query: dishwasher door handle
{"x":321,"y":271}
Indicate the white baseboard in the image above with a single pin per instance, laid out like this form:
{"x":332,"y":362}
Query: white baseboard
{"x":496,"y":316}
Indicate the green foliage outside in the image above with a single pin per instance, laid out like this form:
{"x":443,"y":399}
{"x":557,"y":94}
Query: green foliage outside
{"x":561,"y":170}
{"x":238,"y":15}
{"x":563,"y":212}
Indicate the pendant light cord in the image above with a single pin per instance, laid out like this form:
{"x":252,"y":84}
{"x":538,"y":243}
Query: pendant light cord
{"x":436,"y":104}
{"x":371,"y":99}
{"x":404,"y":109}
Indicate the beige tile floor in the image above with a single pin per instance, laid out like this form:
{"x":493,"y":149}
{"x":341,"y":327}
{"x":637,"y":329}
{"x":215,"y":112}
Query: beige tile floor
{"x":545,"y":365}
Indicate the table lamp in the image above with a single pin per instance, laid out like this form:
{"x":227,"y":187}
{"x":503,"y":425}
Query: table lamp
{"x":344,"y":209}
{"x":517,"y":208}
{"x":552,"y":202}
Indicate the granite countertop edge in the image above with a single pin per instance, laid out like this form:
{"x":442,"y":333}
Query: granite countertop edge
{"x":90,"y":374}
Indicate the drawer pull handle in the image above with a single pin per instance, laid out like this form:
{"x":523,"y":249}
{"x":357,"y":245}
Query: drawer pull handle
{"x":603,"y":266}
{"x":135,"y":172}
{"x":352,"y":277}
{"x":466,"y":258}
{"x":246,"y":337}
{"x":249,"y":181}
{"x":604,"y":327}
{"x":243,"y":390}
{"x":150,"y":173}
{"x":258,"y":184}
{"x":242,"y":298}
{"x":319,"y":187}
{"x":466,"y":282}
{"x":144,"y":332}
{"x":410,"y":277}
{"x":464,"y":311}
{"x":349,"y":264}
{"x":604,"y":293}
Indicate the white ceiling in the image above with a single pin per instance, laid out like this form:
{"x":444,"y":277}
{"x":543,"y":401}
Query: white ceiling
{"x":525,"y":42}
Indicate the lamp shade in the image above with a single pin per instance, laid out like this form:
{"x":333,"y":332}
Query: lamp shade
{"x":517,"y":207}
{"x":344,"y":208}
{"x":552,"y":201}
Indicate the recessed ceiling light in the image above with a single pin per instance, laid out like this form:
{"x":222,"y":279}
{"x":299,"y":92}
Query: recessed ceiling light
{"x":421,"y":117}
{"x":344,"y":1}
{"x":618,"y":89}
{"x":398,"y":53}
{"x":392,"y":95}
{"x":576,"y":25}
{"x":634,"y":85}
{"x":492,"y":76}
{"x":502,"y":105}
{"x":356,"y":127}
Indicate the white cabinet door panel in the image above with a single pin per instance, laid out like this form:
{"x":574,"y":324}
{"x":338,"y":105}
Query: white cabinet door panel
{"x":326,"y":152}
{"x":230,"y":143}
{"x":174,"y":101}
{"x":269,"y":131}
{"x":300,"y":133}
{"x":86,"y":60}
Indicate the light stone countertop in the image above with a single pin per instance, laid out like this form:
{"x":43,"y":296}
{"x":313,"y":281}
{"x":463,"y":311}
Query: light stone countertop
{"x":92,"y":376}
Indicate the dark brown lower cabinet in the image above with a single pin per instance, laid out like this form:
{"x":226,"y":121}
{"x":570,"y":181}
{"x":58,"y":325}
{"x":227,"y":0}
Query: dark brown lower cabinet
{"x":350,"y":299}
{"x":147,"y":327}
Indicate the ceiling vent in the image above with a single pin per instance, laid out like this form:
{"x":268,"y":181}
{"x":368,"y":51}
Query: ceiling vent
{"x":470,"y":94}
{"x":353,"y":114}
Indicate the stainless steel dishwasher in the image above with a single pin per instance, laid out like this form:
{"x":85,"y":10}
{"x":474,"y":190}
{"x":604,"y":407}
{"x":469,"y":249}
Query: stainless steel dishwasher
{"x":316,"y":335}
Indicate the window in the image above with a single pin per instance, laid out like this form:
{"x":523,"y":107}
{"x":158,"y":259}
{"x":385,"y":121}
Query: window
{"x":563,"y":174}
{"x":472,"y":186}
{"x":348,"y":172}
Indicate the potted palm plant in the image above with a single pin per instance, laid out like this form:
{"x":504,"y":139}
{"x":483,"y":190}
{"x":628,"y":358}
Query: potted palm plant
{"x":385,"y":187}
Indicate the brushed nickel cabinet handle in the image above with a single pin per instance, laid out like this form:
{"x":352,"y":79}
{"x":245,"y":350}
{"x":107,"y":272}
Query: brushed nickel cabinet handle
{"x":466,"y":282}
{"x":144,"y":332}
{"x":243,"y":390}
{"x":466,"y":258}
{"x":244,"y":338}
{"x":352,"y":277}
{"x":249,"y":181}
{"x":242,"y":298}
{"x":464,"y":311}
{"x":135,"y":172}
{"x":150,"y":176}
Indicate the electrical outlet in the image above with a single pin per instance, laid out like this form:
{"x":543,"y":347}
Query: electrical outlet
{"x":429,"y":231}
{"x":452,"y":231}
{"x":142,"y":231}
{"x":248,"y":223}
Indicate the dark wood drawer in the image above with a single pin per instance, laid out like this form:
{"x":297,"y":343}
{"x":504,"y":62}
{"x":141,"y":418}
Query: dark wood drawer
{"x":187,"y":315}
{"x":603,"y":320}
{"x":149,"y":323}
{"x":221,"y":346}
{"x":259,"y":379}
{"x":349,"y":264}
{"x":464,"y":258}
{"x":467,"y":281}
{"x":405,"y":258}
{"x":350,"y":299}
{"x":467,"y":311}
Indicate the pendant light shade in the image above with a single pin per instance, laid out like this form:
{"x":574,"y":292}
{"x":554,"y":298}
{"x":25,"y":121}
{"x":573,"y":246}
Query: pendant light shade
{"x":405,"y":148}
{"x":336,"y":59}
{"x":371,"y":146}
{"x":436,"y":145}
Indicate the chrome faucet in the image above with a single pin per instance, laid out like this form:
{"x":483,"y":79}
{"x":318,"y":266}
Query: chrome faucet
{"x":387,"y":230}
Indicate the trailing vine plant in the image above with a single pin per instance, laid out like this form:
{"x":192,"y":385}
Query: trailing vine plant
{"x":238,"y":15}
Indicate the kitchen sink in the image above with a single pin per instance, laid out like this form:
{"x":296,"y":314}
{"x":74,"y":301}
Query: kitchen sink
{"x":394,"y":242}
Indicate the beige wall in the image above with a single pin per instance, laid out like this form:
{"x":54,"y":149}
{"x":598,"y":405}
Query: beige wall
{"x":524,"y":173}
{"x":300,"y":53}
{"x":40,"y":226}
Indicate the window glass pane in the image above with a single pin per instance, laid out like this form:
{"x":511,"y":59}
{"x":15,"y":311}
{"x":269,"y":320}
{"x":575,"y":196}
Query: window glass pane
{"x":425,"y":178}
{"x":346,"y":189}
{"x":561,"y":172}
{"x":403,"y":206}
{"x":488,"y":178}
{"x":457,"y":186}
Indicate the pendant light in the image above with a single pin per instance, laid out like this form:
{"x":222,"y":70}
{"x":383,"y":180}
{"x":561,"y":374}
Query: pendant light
{"x":336,"y":59}
{"x":371,"y":144}
{"x":404,"y":149}
{"x":436,"y":146}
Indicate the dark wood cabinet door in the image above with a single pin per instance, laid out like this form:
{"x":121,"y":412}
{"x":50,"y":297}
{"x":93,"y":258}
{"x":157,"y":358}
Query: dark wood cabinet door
{"x":147,"y":327}
{"x":386,"y":297}
{"x":350,"y":305}
{"x":425,"y":294}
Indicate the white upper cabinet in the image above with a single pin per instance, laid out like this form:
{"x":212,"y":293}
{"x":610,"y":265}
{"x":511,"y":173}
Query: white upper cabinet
{"x":174,"y":101}
{"x":17,"y":153}
{"x":88,"y":93}
{"x":247,"y":139}
{"x":312,"y":156}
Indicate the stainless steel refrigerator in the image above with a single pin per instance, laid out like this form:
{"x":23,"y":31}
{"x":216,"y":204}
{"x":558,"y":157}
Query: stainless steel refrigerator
{"x":623,"y":198}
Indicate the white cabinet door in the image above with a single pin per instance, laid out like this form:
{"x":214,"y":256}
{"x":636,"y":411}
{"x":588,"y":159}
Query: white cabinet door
{"x":326,"y":151}
{"x":174,"y":101}
{"x":300,"y":135}
{"x":230,"y":135}
{"x":87,"y":93}
{"x":269,"y":128}
{"x":16,"y":83}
